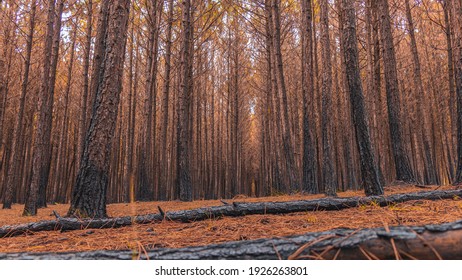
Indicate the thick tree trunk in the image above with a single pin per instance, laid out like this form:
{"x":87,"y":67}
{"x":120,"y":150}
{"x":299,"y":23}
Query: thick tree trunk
{"x":89,"y":194}
{"x":442,"y":241}
{"x":370,"y":179}
{"x":402,"y":164}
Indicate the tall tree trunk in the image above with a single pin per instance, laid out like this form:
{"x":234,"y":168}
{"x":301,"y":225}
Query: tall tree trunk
{"x":457,"y":24}
{"x":184,"y":185}
{"x":328,"y":172}
{"x":89,"y":193}
{"x":370,"y":178}
{"x":147,"y":161}
{"x":61,"y":158}
{"x":163,"y":175}
{"x":310,"y":183}
{"x":45,"y":172}
{"x":86,"y":81}
{"x":12,"y":180}
{"x":402,"y":164}
{"x":40,"y":144}
{"x":294,"y":182}
{"x":279,"y":183}
{"x":423,"y":123}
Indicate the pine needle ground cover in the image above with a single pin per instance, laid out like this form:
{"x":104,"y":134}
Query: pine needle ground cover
{"x":175,"y":234}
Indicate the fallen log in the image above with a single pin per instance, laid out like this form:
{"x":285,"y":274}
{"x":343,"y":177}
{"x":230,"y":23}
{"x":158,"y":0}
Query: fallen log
{"x":232,"y":210}
{"x":441,"y":241}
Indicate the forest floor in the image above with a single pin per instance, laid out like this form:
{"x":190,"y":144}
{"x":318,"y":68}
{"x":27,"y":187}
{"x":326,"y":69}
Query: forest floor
{"x":176,"y":234}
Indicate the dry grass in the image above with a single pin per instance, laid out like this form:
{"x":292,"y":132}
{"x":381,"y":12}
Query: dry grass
{"x":175,"y":234}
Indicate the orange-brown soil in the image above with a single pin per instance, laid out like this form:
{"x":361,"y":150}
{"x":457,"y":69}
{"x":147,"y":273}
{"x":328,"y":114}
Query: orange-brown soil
{"x":176,"y":234}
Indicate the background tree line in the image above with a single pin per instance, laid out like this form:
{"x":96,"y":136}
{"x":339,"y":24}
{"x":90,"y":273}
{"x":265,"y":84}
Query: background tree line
{"x":219,"y":98}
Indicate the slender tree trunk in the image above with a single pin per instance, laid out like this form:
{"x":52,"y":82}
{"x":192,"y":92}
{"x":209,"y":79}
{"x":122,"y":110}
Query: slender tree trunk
{"x":163,"y":175}
{"x":45,"y":172}
{"x":370,"y":178}
{"x":62,"y":147}
{"x":423,"y":124}
{"x":184,"y":185}
{"x":12,"y":180}
{"x":328,"y":172}
{"x":310,"y":183}
{"x":294,"y":182}
{"x":86,"y":81}
{"x":40,"y":144}
{"x":457,"y":24}
{"x":402,"y":164}
{"x":447,"y":10}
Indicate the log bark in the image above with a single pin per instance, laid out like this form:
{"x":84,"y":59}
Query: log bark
{"x":234,"y":209}
{"x":441,"y":241}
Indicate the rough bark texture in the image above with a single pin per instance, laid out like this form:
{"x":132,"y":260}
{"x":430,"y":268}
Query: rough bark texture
{"x":457,"y":24}
{"x":45,"y":138}
{"x":432,"y":242}
{"x":294,"y":182}
{"x":232,"y":210}
{"x":423,"y":122}
{"x":328,"y":172}
{"x":184,"y":185}
{"x":89,"y":194}
{"x":310,"y":183}
{"x":370,"y":178}
{"x":163,"y":175}
{"x":402,"y":164}
{"x":16,"y":151}
{"x":86,"y":83}
{"x":41,"y":145}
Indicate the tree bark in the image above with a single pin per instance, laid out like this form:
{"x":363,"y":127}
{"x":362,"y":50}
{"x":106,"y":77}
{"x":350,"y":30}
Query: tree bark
{"x":41,"y":145}
{"x":328,"y":172}
{"x":310,"y":182}
{"x":89,"y":194}
{"x":86,"y":83}
{"x":457,"y":24}
{"x":184,"y":185}
{"x":61,"y":157}
{"x":423,"y":125}
{"x":163,"y":175}
{"x":18,"y":138}
{"x":370,"y":179}
{"x":403,"y":168}
{"x":235,"y":209}
{"x":294,"y":183}
{"x":441,"y":241}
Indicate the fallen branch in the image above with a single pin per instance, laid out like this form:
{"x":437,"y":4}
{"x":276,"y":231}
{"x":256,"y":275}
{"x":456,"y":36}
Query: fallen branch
{"x":417,"y":242}
{"x":232,"y":210}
